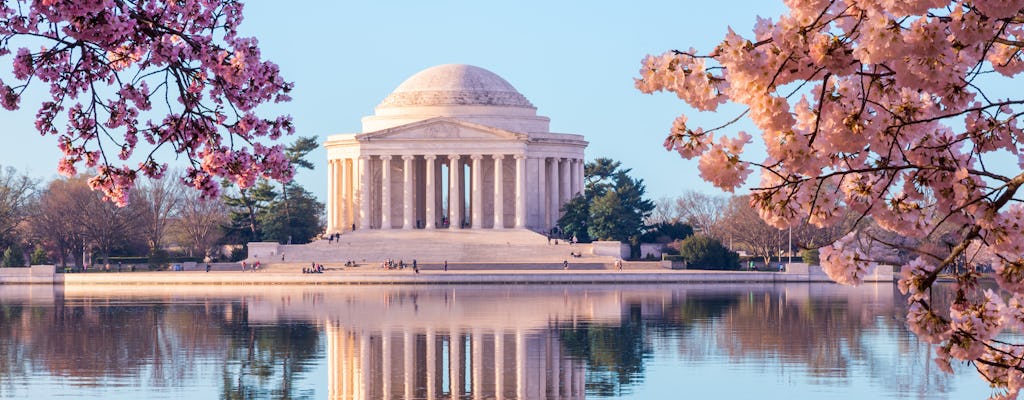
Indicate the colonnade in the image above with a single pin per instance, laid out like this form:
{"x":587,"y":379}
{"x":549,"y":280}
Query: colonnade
{"x":451,"y":363}
{"x":405,"y":191}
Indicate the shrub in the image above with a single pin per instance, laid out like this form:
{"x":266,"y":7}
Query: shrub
{"x":39,"y":256}
{"x":13,"y":257}
{"x":810,"y":256}
{"x":701,"y":252}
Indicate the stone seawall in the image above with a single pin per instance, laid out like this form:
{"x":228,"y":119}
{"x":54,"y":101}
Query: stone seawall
{"x":434,"y":277}
{"x":36,"y":274}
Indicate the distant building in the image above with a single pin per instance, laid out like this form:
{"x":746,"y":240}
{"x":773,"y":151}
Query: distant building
{"x":453,"y":146}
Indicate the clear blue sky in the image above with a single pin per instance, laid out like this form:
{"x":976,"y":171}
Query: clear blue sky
{"x":575,"y":61}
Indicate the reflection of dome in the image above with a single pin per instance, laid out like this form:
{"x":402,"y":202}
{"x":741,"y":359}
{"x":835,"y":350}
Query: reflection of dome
{"x":455,"y":84}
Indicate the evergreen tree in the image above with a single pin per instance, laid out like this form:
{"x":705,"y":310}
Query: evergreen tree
{"x":13,"y":256}
{"x":39,"y":256}
{"x":612,"y":207}
{"x":705,"y":252}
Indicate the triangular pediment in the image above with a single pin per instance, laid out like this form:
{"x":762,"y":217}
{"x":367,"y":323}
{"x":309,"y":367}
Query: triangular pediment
{"x":442,"y":128}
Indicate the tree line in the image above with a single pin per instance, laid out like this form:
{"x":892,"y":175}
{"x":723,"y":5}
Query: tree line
{"x":65,"y":222}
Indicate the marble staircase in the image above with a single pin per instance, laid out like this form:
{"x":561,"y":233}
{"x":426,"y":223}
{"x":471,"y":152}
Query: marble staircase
{"x":435,"y":246}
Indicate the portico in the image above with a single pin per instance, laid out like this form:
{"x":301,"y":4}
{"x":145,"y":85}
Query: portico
{"x":454,"y":147}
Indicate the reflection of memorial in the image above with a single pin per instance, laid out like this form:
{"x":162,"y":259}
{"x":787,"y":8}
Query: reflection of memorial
{"x":455,"y":363}
{"x":450,"y":343}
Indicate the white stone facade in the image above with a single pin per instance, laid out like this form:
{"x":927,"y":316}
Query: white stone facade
{"x":453,"y":143}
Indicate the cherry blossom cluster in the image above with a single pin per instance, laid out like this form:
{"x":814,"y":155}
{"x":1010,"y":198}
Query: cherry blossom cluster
{"x":174,"y":74}
{"x":885,"y":108}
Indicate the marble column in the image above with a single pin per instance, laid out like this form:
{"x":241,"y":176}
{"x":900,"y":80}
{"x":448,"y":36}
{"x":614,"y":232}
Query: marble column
{"x":431,"y":220}
{"x":385,"y":192}
{"x":454,"y":193}
{"x":565,"y":183}
{"x":364,"y":192}
{"x":408,"y":215}
{"x":349,"y":197}
{"x":554,"y":193}
{"x":477,"y":206}
{"x":499,"y":192}
{"x":575,"y":184}
{"x":520,"y":191}
{"x":542,"y":203}
{"x":332,"y":203}
{"x":580,"y":171}
{"x":341,"y":193}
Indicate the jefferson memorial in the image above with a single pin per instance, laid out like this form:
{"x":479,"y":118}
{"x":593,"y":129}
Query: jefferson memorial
{"x":453,"y":147}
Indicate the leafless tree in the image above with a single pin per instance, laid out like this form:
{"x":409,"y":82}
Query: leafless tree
{"x":741,"y":225}
{"x":158,"y":200}
{"x":703,"y":212}
{"x":665,"y":211}
{"x":69,"y":219}
{"x":16,"y":194}
{"x":199,"y":223}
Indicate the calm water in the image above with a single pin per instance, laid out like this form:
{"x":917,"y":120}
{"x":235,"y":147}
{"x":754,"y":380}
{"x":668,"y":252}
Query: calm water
{"x":794,"y":341}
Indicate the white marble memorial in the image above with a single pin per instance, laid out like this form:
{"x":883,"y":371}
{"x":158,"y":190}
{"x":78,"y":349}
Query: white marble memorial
{"x":454,"y":146}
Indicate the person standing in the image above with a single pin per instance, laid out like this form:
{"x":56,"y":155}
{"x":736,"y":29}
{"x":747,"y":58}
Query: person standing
{"x":207,"y":267}
{"x":446,"y":265}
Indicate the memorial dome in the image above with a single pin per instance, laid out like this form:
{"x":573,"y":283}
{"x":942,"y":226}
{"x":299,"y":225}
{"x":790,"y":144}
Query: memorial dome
{"x":453,"y":85}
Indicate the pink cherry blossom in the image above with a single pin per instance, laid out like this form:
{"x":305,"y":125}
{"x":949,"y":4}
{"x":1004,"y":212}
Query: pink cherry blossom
{"x":106,"y":62}
{"x":885,"y":108}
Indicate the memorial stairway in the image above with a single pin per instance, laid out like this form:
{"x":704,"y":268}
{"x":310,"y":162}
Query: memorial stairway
{"x":435,"y":246}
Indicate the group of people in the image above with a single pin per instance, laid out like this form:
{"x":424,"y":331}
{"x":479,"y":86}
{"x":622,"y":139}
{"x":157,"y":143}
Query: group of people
{"x":314,"y":269}
{"x":245,"y":264}
{"x":391,"y":264}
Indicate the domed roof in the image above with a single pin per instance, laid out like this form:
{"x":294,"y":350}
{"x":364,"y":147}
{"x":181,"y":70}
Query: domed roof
{"x":455,"y":84}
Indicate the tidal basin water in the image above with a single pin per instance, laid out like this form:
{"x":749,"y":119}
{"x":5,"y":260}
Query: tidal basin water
{"x":792,"y":341}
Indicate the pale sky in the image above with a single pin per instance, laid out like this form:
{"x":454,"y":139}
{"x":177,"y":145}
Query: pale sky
{"x":575,"y":61}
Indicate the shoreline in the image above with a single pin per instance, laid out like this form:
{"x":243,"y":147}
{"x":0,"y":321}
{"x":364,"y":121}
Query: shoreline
{"x":408,"y":277}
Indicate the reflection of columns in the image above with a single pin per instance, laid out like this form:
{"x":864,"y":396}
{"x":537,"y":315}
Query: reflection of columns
{"x":478,"y":363}
{"x":478,"y":182}
{"x":385,"y":192}
{"x":409,"y":352}
{"x":431,"y":362}
{"x":364,"y":366}
{"x":455,"y":363}
{"x":431,"y":220}
{"x":385,"y":364}
{"x":566,"y":377}
{"x":553,"y":193}
{"x":454,"y":193}
{"x":499,"y":193}
{"x":520,"y":191}
{"x":364,"y":192}
{"x":407,"y":206}
{"x":499,"y":364}
{"x":553,"y":364}
{"x":520,"y":364}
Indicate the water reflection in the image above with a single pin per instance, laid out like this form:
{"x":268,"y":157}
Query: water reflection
{"x":501,"y":342}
